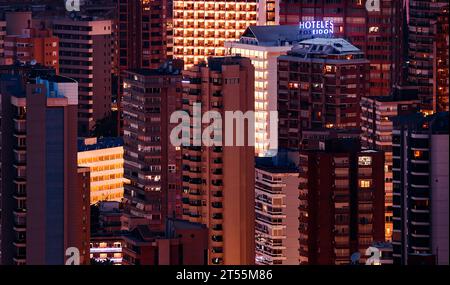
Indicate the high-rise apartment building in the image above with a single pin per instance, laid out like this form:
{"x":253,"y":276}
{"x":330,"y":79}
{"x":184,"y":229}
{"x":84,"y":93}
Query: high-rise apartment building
{"x":202,"y":27}
{"x":341,"y":207}
{"x":276,"y":207}
{"x":379,"y":34}
{"x":269,"y":12}
{"x":420,"y":165}
{"x":44,"y":194}
{"x":144,"y":33}
{"x":218,"y":180}
{"x":320,"y":84}
{"x":376,"y":132}
{"x":104,"y":158}
{"x":85,"y":55}
{"x":2,"y":41}
{"x":425,"y":48}
{"x":263,"y":45}
{"x":441,"y":61}
{"x":152,"y":163}
{"x":32,"y":45}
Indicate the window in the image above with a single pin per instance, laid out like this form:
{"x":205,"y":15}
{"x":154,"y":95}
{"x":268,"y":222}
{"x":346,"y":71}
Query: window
{"x":364,"y":183}
{"x":417,"y":154}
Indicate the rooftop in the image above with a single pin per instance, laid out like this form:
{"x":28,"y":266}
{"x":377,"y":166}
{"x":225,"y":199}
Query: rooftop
{"x":270,"y":35}
{"x":321,"y":48}
{"x":216,"y":63}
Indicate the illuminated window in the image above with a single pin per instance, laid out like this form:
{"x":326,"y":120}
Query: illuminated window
{"x":365,"y":160}
{"x":417,"y":154}
{"x":363,"y":183}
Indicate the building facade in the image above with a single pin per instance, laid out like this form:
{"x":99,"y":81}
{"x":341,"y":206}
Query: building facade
{"x":420,"y":205}
{"x":441,"y":62}
{"x":33,"y":45}
{"x":218,"y":181}
{"x":2,"y":41}
{"x":104,"y":158}
{"x":44,"y":194}
{"x":276,"y":207}
{"x":85,"y":55}
{"x":202,"y":27}
{"x":376,"y":132}
{"x":341,"y":207}
{"x":320,"y":84}
{"x":379,"y":34}
{"x":144,"y":33}
{"x":423,"y":50}
{"x":152,"y":163}
{"x":263,"y":45}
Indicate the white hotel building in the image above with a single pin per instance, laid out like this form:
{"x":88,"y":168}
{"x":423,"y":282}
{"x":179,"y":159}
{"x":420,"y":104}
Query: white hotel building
{"x":263,"y":45}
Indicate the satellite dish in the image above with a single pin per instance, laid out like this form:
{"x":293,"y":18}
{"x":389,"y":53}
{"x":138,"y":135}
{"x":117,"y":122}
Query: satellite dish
{"x":355,"y":258}
{"x":33,"y":62}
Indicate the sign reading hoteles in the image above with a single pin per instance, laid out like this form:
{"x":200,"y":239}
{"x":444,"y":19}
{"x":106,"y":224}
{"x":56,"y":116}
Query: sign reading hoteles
{"x":317,"y":28}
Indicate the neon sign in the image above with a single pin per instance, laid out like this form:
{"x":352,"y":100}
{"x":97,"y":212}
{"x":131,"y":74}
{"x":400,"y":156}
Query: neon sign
{"x":317,"y":28}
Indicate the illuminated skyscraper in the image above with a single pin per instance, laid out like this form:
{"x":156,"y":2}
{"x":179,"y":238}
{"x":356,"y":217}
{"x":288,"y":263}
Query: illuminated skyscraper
{"x":263,"y":45}
{"x":202,"y":27}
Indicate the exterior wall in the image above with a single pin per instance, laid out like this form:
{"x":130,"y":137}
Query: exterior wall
{"x":2,"y":42}
{"x":307,"y":101}
{"x":106,"y":167}
{"x":276,"y":244}
{"x":331,"y":230}
{"x":85,"y":55}
{"x":144,"y":33}
{"x":268,"y":12}
{"x":32,"y":44}
{"x":380,"y":38}
{"x":106,"y":248}
{"x":439,"y":198}
{"x":16,"y":22}
{"x":421,"y":41}
{"x":152,"y":163}
{"x":225,"y":202}
{"x":264,"y":59}
{"x":201,"y":28}
{"x":376,"y":127}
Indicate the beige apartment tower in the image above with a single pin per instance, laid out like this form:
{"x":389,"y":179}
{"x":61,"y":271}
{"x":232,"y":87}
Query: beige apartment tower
{"x":218,"y":181}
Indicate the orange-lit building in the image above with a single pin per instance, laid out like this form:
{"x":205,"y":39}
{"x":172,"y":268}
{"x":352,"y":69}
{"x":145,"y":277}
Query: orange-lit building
{"x":202,"y":27}
{"x":33,"y":45}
